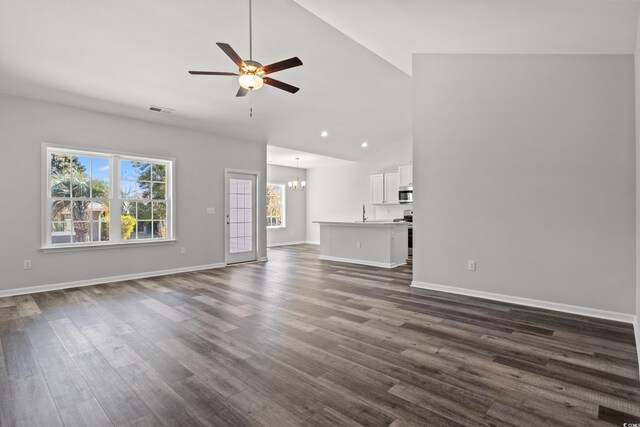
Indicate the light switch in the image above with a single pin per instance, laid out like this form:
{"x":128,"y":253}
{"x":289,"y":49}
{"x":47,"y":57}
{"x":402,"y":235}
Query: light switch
{"x":211,"y":211}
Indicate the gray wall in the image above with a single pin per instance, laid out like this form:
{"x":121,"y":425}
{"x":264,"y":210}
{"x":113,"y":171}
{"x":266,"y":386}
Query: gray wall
{"x":526,"y":163}
{"x":336,"y":193}
{"x":200,"y":162}
{"x":295,"y":207}
{"x":637,"y":93}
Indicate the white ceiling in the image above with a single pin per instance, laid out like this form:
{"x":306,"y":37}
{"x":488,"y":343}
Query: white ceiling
{"x":287,"y":157}
{"x":120,"y":56}
{"x":395,"y":29}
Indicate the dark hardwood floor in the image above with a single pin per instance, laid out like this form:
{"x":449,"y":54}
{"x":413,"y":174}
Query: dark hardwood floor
{"x":297,"y":341}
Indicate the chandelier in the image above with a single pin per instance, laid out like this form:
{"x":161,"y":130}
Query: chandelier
{"x":297,"y":184}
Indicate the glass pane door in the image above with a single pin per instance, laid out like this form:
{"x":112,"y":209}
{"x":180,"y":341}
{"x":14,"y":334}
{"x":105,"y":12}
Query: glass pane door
{"x":241,"y":217}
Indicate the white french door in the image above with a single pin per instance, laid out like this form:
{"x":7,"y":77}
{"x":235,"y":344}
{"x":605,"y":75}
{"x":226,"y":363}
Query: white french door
{"x":240,"y":217}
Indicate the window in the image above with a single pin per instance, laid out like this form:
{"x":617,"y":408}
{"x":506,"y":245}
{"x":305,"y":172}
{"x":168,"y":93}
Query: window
{"x":275,"y":205}
{"x":100,"y":199}
{"x":143,"y":200}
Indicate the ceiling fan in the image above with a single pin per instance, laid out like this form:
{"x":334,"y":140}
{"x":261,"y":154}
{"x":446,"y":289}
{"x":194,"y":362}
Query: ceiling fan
{"x":252,"y":74}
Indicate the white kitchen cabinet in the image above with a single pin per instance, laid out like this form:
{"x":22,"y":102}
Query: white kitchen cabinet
{"x":377,"y":189}
{"x":406,"y":175}
{"x":391,"y":187}
{"x":384,"y":188}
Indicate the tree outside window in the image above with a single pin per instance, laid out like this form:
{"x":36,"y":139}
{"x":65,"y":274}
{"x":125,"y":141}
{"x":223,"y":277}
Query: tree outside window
{"x":79,"y":197}
{"x":86,"y":200}
{"x":275,"y":205}
{"x":143,"y":200}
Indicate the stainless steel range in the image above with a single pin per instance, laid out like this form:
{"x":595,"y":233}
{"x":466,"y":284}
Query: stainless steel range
{"x":408,"y":217}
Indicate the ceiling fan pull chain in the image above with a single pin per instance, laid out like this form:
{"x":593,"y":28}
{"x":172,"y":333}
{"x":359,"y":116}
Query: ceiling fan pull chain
{"x":250,"y":104}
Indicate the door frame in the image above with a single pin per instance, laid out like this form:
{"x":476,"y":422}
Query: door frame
{"x":257,"y":211}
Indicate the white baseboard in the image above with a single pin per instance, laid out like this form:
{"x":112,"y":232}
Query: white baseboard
{"x":263,"y":259}
{"x":103,"y":280}
{"x":271,"y":245}
{"x":584,"y":311}
{"x":310,"y":242}
{"x":361,"y":262}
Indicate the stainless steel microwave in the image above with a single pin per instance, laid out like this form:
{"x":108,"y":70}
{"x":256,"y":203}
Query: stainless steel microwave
{"x":405,"y":194}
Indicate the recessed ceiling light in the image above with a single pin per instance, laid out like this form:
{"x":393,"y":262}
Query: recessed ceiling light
{"x":364,"y":144}
{"x":324,"y":134}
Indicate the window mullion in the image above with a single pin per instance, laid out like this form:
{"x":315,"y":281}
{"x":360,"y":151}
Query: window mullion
{"x":116,"y":206}
{"x":49,"y":200}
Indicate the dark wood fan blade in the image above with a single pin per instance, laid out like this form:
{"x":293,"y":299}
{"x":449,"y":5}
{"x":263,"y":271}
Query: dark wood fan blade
{"x":280,"y":85}
{"x":242,"y":92}
{"x":212,"y":73}
{"x":282,"y":65}
{"x":232,"y":54}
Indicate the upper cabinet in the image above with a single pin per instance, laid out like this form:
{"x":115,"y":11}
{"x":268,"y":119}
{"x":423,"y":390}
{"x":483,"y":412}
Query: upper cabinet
{"x":391,"y":187}
{"x":377,"y":189}
{"x":406,"y":175}
{"x":384,"y":188}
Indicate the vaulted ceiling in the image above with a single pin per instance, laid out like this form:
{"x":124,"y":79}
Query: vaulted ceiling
{"x":121,"y":56}
{"x":396,"y":29}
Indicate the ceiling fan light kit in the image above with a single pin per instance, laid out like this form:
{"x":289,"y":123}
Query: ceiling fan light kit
{"x":252,"y":74}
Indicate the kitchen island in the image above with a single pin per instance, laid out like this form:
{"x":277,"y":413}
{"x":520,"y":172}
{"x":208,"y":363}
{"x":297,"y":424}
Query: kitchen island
{"x":376,"y":243}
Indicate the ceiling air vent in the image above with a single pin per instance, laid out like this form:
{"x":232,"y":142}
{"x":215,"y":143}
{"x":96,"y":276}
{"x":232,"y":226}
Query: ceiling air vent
{"x":161,"y":109}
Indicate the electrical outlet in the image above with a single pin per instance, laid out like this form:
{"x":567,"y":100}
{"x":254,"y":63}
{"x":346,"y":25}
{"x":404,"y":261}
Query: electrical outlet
{"x":358,"y":245}
{"x":27,"y":264}
{"x":183,"y":250}
{"x":471,"y":265}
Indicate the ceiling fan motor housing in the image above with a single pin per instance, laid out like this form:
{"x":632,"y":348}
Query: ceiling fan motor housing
{"x":252,"y":67}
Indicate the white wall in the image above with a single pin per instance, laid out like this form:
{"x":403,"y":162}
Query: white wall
{"x":526,"y":163}
{"x":337,"y":193}
{"x":637,"y":93}
{"x":200,"y":162}
{"x":295,"y":207}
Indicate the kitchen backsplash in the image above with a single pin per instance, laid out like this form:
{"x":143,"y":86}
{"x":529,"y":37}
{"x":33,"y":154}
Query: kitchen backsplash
{"x":390,"y":211}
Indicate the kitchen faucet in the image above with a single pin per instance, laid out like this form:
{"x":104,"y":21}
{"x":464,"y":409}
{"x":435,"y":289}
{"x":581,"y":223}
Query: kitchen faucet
{"x":364,"y":212}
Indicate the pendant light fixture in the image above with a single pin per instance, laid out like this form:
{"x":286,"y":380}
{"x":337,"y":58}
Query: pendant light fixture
{"x":297,"y":184}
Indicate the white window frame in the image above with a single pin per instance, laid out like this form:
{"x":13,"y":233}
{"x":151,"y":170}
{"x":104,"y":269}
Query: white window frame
{"x":113,"y":199}
{"x":284,"y":207}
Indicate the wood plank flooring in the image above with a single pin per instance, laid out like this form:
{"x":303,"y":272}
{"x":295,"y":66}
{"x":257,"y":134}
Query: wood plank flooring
{"x":298,"y":341}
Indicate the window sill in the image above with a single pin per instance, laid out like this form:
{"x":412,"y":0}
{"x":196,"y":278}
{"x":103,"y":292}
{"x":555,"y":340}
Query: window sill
{"x":91,"y":247}
{"x":276,"y":227}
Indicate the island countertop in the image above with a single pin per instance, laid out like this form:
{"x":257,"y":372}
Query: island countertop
{"x":360,"y":223}
{"x":375,"y":243}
